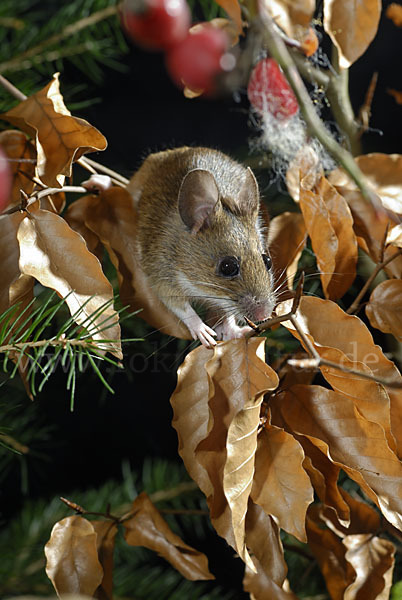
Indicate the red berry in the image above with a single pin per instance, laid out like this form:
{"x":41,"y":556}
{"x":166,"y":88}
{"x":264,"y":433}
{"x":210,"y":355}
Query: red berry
{"x":5,"y":181}
{"x":269,"y":91}
{"x":199,"y":59}
{"x":156,"y":24}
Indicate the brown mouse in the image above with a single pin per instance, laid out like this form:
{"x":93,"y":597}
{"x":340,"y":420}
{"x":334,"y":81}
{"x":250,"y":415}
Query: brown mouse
{"x":200,"y":241}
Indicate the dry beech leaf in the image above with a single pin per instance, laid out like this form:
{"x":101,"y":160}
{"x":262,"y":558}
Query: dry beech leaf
{"x":239,"y":377}
{"x":60,"y":137}
{"x":384,"y":174}
{"x":287,"y":238}
{"x":304,"y":172}
{"x":394,"y":12}
{"x":384,"y":308}
{"x":363,"y":518}
{"x":10,"y":253}
{"x":105,"y":536}
{"x":281,"y":486}
{"x":372,"y":559}
{"x":334,"y":425}
{"x":23,"y":158}
{"x":394,"y":236}
{"x":148,"y":528}
{"x":330,"y":226}
{"x":112,"y":217}
{"x":352,"y":26}
{"x":232,"y":8}
{"x":330,"y":555}
{"x":263,"y":540}
{"x":75,"y":216}
{"x":216,"y":414}
{"x":345,"y":339}
{"x":396,"y":94}
{"x":58,"y":258}
{"x":291,"y":15}
{"x":72,"y":562}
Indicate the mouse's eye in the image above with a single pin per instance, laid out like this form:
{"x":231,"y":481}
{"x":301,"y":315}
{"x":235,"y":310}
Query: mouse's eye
{"x":229,"y":266}
{"x":267,"y":261}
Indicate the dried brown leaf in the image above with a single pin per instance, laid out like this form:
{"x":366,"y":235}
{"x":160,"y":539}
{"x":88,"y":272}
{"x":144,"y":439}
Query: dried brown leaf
{"x":396,"y":94}
{"x":384,"y":308}
{"x":148,"y":528}
{"x":384,"y":174}
{"x":281,"y":486}
{"x":372,"y":559}
{"x":287,"y":238}
{"x":76,"y":215}
{"x":334,"y":425}
{"x":363,"y":518}
{"x":10,"y":253}
{"x":394,"y":236}
{"x":304,"y":172}
{"x":216,"y":415}
{"x":330,"y":555}
{"x":394,"y":12}
{"x":59,"y":259}
{"x":263,"y":540}
{"x":345,"y":340}
{"x":105,"y":536}
{"x":228,"y":451}
{"x":60,"y":137}
{"x":22,"y":155}
{"x":330,"y":226}
{"x":352,"y":26}
{"x":232,"y":7}
{"x":291,"y":15}
{"x":112,"y":217}
{"x":72,"y":562}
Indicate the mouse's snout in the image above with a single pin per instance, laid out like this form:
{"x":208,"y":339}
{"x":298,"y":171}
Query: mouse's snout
{"x":257,"y":309}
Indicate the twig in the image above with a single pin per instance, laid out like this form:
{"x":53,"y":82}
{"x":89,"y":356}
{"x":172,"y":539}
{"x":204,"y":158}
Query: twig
{"x":318,"y":361}
{"x":93,"y":167}
{"x":10,"y":441}
{"x":68,"y":31}
{"x":77,"y":508}
{"x":354,"y":307}
{"x":257,"y":329}
{"x":64,"y":342}
{"x":278,"y":50}
{"x":26,"y":202}
{"x":11,"y":89}
{"x":365,"y":109}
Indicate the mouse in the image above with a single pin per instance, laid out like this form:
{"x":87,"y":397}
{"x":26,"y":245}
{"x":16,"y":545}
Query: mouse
{"x":201,"y":243}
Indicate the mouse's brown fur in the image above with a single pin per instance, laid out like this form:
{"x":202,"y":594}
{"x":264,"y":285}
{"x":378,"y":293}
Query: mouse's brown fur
{"x":180,"y":250}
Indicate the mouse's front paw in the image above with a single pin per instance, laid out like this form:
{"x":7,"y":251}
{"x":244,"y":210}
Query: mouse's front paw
{"x":229,"y":330}
{"x":200,"y":331}
{"x":97,"y":183}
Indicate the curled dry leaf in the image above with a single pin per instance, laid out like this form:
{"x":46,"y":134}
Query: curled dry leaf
{"x":330,"y":226}
{"x":216,"y":415}
{"x":384,"y":308}
{"x":394,"y":236}
{"x":72,"y":562}
{"x":351,"y":25}
{"x":372,"y":559}
{"x":105,"y":536}
{"x":148,"y":528}
{"x":60,"y":137}
{"x":345,"y":340}
{"x":22,"y":155}
{"x":52,"y":253}
{"x":394,"y":12}
{"x":10,"y":253}
{"x":75,"y":216}
{"x":333,"y":424}
{"x":287,"y":238}
{"x":384,"y":174}
{"x":112,"y":217}
{"x":293,"y":17}
{"x":304,"y":172}
{"x":232,"y":7}
{"x":363,"y":518}
{"x":281,"y":486}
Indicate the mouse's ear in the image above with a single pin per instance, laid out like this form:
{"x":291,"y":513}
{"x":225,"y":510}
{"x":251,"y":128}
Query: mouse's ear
{"x":198,"y":198}
{"x":249,"y":197}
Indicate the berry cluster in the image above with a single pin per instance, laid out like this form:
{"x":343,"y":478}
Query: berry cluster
{"x":194,"y":57}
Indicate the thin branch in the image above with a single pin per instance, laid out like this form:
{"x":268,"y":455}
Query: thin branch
{"x":11,"y":89}
{"x":354,"y":307}
{"x":279,"y":51}
{"x":63,"y":342}
{"x":318,"y":361}
{"x":68,"y":31}
{"x":15,"y":444}
{"x":103,"y":169}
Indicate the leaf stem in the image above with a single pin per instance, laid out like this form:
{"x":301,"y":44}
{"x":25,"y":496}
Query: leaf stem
{"x":279,"y":51}
{"x":354,"y":307}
